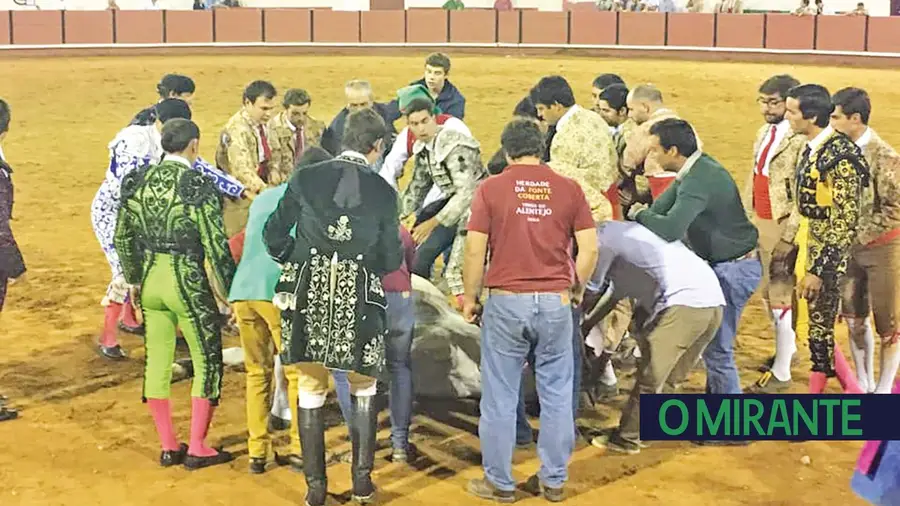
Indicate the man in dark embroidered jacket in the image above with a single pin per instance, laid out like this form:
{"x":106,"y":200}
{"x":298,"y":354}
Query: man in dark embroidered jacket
{"x":831,"y":175}
{"x":12,"y":267}
{"x":169,"y":227}
{"x":330,"y":292}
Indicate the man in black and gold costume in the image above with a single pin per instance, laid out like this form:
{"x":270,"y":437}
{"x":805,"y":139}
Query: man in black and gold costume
{"x":330,"y":293}
{"x":830,"y":178}
{"x":169,"y":225}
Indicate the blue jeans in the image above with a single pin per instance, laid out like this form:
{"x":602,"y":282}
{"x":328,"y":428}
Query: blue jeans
{"x":401,"y":319}
{"x":524,"y":434}
{"x":511,"y":326}
{"x":738,"y":280}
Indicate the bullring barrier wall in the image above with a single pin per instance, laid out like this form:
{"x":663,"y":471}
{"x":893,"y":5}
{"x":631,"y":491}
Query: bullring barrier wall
{"x":472,"y":28}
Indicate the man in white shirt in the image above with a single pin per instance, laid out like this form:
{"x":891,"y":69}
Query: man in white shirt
{"x":678,"y":306}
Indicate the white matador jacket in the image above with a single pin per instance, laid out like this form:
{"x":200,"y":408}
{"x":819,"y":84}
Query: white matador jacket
{"x":452,"y":162}
{"x":136,"y":146}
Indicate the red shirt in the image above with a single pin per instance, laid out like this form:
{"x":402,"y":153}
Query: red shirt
{"x":530,"y":214}
{"x":399,"y":280}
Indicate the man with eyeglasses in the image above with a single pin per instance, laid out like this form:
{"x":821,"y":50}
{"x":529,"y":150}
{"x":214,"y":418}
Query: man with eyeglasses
{"x":768,"y":201}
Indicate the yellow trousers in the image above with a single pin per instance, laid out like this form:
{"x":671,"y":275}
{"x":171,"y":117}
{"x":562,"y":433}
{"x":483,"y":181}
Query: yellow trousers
{"x":260,"y":326}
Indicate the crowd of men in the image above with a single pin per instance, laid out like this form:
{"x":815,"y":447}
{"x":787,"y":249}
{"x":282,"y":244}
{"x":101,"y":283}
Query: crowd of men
{"x":588,"y":229}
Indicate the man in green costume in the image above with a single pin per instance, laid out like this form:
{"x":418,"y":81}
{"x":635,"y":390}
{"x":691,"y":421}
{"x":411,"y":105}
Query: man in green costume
{"x":169,"y":223}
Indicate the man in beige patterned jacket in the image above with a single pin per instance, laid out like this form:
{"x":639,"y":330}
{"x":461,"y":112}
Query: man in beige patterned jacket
{"x":293,"y":130}
{"x":246,"y":152}
{"x":768,"y":201}
{"x":582,"y":148}
{"x":872,"y":282}
{"x":639,"y":165}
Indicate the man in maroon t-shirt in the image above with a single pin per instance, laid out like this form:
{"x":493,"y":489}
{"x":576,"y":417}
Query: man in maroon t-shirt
{"x":526,"y":217}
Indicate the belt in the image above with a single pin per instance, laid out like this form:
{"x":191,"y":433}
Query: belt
{"x":565,"y":295}
{"x":750,"y":255}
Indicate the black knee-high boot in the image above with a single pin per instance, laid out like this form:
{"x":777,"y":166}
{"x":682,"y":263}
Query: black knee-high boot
{"x":362,"y":432}
{"x":312,"y":438}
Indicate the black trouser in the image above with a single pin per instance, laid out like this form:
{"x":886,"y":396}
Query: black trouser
{"x":440,"y":240}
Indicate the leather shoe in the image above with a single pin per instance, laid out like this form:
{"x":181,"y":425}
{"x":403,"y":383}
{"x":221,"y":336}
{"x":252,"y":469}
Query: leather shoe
{"x":192,"y":462}
{"x":112,"y":352}
{"x":169,"y":458}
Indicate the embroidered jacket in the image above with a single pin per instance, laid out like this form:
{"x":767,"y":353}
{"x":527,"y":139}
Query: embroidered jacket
{"x":830,"y":183}
{"x":240,"y":153}
{"x":583,"y":150}
{"x":330,"y":290}
{"x":11,"y":263}
{"x":283,"y":137}
{"x":621,"y":135}
{"x":880,"y":208}
{"x":452,"y":162}
{"x":781,"y":174}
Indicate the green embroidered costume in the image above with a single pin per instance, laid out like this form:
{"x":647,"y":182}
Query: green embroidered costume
{"x":170,"y":222}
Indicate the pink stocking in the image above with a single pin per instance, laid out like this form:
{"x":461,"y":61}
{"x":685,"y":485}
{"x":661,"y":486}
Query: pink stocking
{"x":161,"y":410}
{"x":201,"y":416}
{"x":845,"y":374}
{"x":128,"y":317}
{"x":817,"y":382}
{"x":110,"y":325}
{"x":870,"y":449}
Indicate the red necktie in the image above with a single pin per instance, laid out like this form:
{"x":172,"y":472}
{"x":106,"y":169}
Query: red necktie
{"x":761,"y":203}
{"x":298,"y":145}
{"x":267,"y":155}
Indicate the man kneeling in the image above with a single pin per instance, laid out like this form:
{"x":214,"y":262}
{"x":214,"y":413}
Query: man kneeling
{"x":677,"y":311}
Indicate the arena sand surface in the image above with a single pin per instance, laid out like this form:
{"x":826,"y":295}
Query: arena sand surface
{"x":84,"y":438}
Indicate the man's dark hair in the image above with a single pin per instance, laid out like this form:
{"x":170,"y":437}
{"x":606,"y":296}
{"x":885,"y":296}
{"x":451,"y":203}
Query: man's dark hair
{"x":522,"y":137}
{"x":553,"y":90}
{"x":853,"y":101}
{"x":439,"y":60}
{"x":417,"y":105}
{"x":362,"y":130}
{"x":5,"y":116}
{"x":296,"y":96}
{"x":258,"y":89}
{"x":312,"y":156}
{"x":176,"y":84}
{"x":605,"y":80}
{"x":177,"y":134}
{"x":526,"y":108}
{"x":778,"y":85}
{"x":616,"y":95}
{"x":172,"y":108}
{"x":815,"y":102}
{"x":675,"y":132}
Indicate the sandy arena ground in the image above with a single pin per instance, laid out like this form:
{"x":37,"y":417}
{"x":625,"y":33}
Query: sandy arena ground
{"x":84,"y":438}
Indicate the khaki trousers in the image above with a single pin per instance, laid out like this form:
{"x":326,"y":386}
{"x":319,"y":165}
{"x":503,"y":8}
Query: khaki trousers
{"x":776,"y":290}
{"x":670,"y":347}
{"x":872,"y":283}
{"x":259,"y":322}
{"x":235,"y":214}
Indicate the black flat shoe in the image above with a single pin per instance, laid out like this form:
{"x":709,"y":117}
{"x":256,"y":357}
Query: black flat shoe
{"x":169,"y":458}
{"x":192,"y":463}
{"x":294,"y":461}
{"x":138,"y":331}
{"x":112,"y":352}
{"x":257,"y":465}
{"x":7,"y":414}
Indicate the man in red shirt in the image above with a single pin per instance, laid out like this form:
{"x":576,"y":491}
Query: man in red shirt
{"x":526,"y":217}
